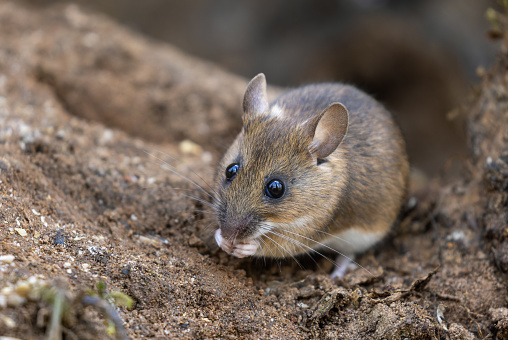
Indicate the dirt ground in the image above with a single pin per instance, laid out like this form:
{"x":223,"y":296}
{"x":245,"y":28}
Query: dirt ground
{"x":92,"y":119}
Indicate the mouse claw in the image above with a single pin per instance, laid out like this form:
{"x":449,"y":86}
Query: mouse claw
{"x":224,"y":244}
{"x":245,"y":248}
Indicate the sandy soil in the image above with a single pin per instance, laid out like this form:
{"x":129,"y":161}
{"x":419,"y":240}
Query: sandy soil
{"x":91,"y":122}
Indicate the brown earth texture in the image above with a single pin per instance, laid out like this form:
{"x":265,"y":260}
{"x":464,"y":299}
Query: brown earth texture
{"x":102,"y":133}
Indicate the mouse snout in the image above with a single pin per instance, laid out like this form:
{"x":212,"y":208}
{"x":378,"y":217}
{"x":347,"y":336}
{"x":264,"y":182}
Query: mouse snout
{"x":236,"y":227}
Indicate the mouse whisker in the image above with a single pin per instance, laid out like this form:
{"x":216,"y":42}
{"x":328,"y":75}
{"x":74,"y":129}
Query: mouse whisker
{"x":206,"y":212}
{"x":296,"y":243}
{"x":264,"y":242}
{"x":208,"y":220}
{"x":330,"y":248}
{"x":303,"y":245}
{"x":261,"y":244}
{"x":328,"y":234}
{"x":201,"y":178}
{"x":169,"y":168}
{"x":273,"y":254}
{"x":212,"y":220}
{"x":287,"y":251}
{"x":211,"y":205}
{"x":215,"y":202}
{"x":305,"y":251}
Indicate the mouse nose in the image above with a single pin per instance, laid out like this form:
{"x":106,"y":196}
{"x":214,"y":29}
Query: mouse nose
{"x":236,"y":227}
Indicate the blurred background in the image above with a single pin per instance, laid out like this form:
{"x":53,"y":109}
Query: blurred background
{"x":419,"y":57}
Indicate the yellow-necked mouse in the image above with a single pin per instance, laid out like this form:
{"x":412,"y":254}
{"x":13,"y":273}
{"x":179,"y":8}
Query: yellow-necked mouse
{"x":323,"y":166}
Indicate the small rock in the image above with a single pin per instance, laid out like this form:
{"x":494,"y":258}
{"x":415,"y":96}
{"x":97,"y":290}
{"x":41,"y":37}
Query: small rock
{"x":190,"y":148}
{"x":455,"y":236}
{"x":14,"y":300}
{"x":195,"y":241}
{"x":9,"y":323}
{"x":21,"y":231}
{"x":23,"y":289}
{"x":4,"y":165}
{"x":327,"y":301}
{"x":6,"y":258}
{"x":107,"y":136}
{"x":59,"y":238}
{"x":60,"y":134}
{"x":126,"y":271}
{"x":308,"y":291}
{"x":457,"y":331}
{"x":207,"y":157}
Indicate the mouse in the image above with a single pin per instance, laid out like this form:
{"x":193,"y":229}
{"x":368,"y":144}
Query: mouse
{"x":322,"y":167}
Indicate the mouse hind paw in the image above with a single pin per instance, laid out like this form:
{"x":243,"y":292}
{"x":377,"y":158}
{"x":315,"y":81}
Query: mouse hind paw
{"x":343,"y":265}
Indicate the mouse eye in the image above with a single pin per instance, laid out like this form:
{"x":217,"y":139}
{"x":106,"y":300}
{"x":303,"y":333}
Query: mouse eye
{"x":231,"y":171}
{"x":274,"y":189}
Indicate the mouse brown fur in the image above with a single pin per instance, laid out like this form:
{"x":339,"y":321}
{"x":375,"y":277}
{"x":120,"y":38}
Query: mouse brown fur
{"x":336,"y":155}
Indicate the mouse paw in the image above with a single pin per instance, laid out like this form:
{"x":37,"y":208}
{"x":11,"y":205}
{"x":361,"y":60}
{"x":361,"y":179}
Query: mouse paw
{"x":344,"y":264}
{"x":239,"y":249}
{"x":223,"y":243}
{"x":245,"y":248}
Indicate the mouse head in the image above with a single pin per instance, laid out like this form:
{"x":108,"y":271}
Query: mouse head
{"x":278,"y":173}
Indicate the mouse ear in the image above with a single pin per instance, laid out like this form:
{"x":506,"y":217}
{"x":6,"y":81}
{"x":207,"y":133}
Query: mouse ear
{"x":330,"y":127}
{"x":255,"y":100}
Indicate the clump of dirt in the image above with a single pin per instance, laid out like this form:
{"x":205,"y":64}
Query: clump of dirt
{"x":84,"y":199}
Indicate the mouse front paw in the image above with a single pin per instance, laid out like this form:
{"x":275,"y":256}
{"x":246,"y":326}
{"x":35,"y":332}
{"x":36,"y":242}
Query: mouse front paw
{"x":223,"y":243}
{"x":239,"y":249}
{"x":245,"y":248}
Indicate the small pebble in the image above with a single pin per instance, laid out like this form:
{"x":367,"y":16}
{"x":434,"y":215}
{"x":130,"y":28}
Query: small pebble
{"x":6,"y":258}
{"x":14,"y":300}
{"x":23,"y":289}
{"x":3,"y":301}
{"x":21,"y":231}
{"x":126,"y":270}
{"x":191,"y":148}
{"x":60,"y":134}
{"x":107,"y":136}
{"x":59,"y":238}
{"x":4,"y":165}
{"x":207,"y":157}
{"x":10,"y":323}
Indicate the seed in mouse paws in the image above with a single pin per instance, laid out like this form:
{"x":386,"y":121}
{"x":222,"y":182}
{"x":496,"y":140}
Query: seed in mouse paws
{"x":274,"y":189}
